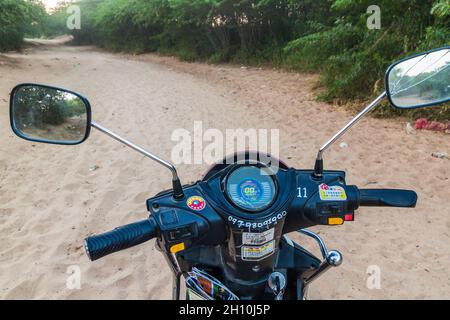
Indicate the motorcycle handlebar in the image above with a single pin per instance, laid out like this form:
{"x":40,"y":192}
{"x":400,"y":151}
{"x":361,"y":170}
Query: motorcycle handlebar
{"x":119,"y":239}
{"x":387,"y":198}
{"x":98,"y":246}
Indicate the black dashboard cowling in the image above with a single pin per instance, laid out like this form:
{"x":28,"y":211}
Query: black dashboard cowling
{"x":248,"y":240}
{"x":253,"y":236}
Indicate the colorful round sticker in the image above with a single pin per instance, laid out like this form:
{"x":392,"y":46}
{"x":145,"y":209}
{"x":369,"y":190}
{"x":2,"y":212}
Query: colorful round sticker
{"x":196,"y":203}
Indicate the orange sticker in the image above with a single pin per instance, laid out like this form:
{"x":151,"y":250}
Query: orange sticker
{"x":196,"y":203}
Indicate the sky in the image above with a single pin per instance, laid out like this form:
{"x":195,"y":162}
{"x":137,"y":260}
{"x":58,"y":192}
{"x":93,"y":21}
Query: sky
{"x":50,"y":4}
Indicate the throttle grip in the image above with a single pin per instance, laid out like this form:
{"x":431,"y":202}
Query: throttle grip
{"x":119,"y":239}
{"x":387,"y":198}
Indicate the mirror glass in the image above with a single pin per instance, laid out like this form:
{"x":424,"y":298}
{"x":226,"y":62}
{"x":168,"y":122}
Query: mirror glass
{"x":420,"y":81}
{"x":50,"y":115}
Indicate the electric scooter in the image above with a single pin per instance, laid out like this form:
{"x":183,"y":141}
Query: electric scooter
{"x":225,"y":237}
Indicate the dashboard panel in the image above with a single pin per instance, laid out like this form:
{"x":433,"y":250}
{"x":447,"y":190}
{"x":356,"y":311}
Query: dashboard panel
{"x":251,"y":188}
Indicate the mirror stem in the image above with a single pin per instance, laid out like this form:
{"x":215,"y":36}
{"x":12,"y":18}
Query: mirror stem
{"x":177,"y":188}
{"x":318,"y":168}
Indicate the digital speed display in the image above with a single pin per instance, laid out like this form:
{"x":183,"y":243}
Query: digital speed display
{"x":251,"y":188}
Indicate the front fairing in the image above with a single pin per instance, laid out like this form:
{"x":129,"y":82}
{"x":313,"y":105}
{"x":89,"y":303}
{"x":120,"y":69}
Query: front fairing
{"x":209,"y":231}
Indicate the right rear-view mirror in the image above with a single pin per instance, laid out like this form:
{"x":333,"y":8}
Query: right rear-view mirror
{"x":420,"y":81}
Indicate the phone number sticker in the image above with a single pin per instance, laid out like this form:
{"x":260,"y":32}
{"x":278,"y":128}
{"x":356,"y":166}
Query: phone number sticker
{"x":257,"y":253}
{"x":258,"y":238}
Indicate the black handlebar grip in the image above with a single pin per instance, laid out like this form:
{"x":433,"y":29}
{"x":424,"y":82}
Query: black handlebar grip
{"x":387,"y":198}
{"x":119,"y":239}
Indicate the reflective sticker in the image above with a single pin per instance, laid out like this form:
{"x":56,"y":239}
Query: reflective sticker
{"x":258,"y":238}
{"x":334,"y":193}
{"x":196,"y":203}
{"x":335,"y":221}
{"x":177,"y":248}
{"x":349,"y":217}
{"x":257,"y":253}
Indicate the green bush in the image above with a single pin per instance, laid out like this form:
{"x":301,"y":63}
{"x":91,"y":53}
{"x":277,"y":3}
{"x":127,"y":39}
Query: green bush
{"x":17,"y":19}
{"x":330,"y":37}
{"x":352,"y":59}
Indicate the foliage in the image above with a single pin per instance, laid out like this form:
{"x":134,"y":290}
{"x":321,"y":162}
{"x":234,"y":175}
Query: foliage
{"x":326,"y":36}
{"x":18,"y":18}
{"x":330,"y":37}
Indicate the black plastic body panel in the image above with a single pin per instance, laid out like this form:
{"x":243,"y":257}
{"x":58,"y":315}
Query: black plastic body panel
{"x":174,"y":216}
{"x":308,"y":209}
{"x":213,"y":237}
{"x":291,"y":259}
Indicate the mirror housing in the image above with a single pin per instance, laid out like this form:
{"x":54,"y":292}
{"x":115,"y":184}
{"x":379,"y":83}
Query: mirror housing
{"x":47,"y":114}
{"x":420,"y":81}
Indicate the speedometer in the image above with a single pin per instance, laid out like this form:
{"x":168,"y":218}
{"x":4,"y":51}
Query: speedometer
{"x":251,"y":188}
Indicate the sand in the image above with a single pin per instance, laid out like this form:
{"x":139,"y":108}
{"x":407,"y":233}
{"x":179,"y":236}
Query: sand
{"x":52,"y":197}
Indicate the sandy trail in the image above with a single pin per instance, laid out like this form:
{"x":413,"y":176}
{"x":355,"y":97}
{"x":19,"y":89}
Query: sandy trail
{"x":51,"y":197}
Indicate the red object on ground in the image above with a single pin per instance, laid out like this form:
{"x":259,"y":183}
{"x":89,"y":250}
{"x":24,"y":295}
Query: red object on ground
{"x":424,"y":124}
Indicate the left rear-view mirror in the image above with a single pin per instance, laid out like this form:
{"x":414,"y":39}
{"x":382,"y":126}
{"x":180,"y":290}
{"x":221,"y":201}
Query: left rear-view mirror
{"x":47,"y":114}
